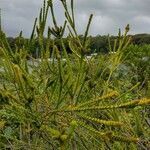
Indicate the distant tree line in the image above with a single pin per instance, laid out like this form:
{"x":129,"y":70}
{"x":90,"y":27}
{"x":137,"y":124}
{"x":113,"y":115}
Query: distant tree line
{"x":98,"y":44}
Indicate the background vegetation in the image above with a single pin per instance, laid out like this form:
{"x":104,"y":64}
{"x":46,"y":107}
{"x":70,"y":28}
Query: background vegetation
{"x":98,"y":44}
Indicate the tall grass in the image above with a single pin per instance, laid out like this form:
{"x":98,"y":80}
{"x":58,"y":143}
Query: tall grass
{"x":72,"y":104}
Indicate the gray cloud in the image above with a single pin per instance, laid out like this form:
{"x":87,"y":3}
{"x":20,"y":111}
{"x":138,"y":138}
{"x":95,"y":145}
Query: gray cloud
{"x":109,"y":15}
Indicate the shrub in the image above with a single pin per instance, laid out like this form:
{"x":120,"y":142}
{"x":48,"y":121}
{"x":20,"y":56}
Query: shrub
{"x":68,"y":101}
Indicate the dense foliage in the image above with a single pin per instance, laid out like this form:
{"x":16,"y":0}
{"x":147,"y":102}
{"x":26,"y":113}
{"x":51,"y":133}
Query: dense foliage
{"x":67,"y":100}
{"x":98,"y":44}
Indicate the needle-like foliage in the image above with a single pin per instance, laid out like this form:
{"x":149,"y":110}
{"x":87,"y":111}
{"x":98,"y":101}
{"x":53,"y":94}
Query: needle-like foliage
{"x":66,"y":101}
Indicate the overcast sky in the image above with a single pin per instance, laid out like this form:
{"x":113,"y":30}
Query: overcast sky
{"x":109,"y":15}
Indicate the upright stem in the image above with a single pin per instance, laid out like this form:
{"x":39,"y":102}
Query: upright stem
{"x":0,"y":21}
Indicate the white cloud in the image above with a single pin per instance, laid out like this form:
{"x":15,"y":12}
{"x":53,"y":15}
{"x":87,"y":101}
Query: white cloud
{"x":109,"y":15}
